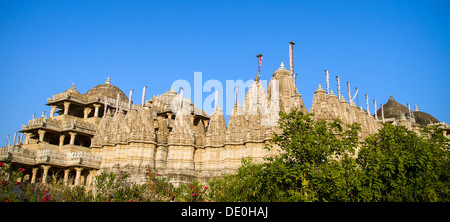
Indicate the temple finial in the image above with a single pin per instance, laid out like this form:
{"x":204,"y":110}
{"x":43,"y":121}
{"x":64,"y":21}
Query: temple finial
{"x":108,"y":80}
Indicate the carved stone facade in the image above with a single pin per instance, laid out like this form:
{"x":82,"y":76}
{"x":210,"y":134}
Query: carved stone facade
{"x":102,"y":130}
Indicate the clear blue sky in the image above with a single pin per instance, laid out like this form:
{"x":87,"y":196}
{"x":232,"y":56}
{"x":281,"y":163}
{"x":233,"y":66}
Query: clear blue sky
{"x":399,"y":48}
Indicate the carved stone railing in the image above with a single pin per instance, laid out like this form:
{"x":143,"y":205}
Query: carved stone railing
{"x":80,"y":158}
{"x":50,"y":157}
{"x":67,"y":95}
{"x":18,"y":153}
{"x":60,"y":125}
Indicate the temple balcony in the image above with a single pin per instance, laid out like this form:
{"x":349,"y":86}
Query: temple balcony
{"x":60,"y":124}
{"x":50,"y":155}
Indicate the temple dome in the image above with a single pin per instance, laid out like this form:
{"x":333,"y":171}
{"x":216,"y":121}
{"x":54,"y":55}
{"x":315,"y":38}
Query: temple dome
{"x":72,"y":90}
{"x":392,"y":109}
{"x":423,"y":118}
{"x":108,"y":90}
{"x":282,"y":71}
{"x":169,"y":102}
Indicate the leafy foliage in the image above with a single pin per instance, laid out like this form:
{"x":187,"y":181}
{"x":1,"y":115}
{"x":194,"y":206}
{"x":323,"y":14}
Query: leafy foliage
{"x":400,"y":165}
{"x":325,"y":161}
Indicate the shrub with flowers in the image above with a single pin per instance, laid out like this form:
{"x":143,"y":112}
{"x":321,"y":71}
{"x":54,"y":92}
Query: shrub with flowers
{"x":108,"y":187}
{"x":194,"y":192}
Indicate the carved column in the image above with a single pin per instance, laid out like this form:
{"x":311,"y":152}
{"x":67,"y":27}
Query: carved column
{"x":27,"y":138}
{"x":72,"y":138}
{"x":97,"y":107}
{"x":87,"y":111}
{"x":66,"y":108}
{"x":41,"y":135}
{"x":33,"y":174}
{"x":45,"y":173}
{"x":52,"y":110}
{"x":61,"y":139}
{"x":66,"y":176}
{"x":78,"y":176}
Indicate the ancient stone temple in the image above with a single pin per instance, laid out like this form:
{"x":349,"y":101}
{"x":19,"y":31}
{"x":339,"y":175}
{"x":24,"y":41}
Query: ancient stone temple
{"x":103,"y":130}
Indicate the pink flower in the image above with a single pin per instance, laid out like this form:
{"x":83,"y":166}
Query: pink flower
{"x":45,"y":192}
{"x":45,"y":198}
{"x":2,"y":164}
{"x":17,"y":183}
{"x":22,"y":170}
{"x":158,"y":174}
{"x":194,"y":194}
{"x":206,"y":187}
{"x":191,"y":186}
{"x":8,"y":200}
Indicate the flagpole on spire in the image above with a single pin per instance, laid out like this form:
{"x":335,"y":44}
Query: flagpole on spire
{"x":328,"y":81}
{"x":291,"y":63}
{"x":260,"y":57}
{"x":143,"y":96}
{"x":235,"y":96}
{"x":349,"y":94}
{"x":338,"y":87}
{"x":291,"y":57}
{"x":375,"y":109}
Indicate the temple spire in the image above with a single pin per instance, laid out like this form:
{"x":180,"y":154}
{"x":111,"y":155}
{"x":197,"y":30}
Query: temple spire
{"x":108,"y":80}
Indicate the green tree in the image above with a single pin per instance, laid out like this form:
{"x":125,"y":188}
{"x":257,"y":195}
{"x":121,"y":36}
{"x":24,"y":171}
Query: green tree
{"x":400,"y":165}
{"x":316,"y":160}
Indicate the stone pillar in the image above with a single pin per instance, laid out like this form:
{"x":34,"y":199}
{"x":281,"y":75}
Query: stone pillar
{"x":27,"y":138}
{"x":45,"y":173}
{"x":33,"y":174}
{"x":97,"y":107}
{"x":87,"y":111}
{"x":61,"y":139}
{"x":66,"y":108}
{"x":41,"y":135}
{"x":52,"y":111}
{"x":78,"y":176}
{"x":72,"y":138}
{"x":66,"y":176}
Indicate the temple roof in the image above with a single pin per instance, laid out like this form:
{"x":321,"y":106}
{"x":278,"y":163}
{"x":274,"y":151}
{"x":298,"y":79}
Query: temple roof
{"x":72,"y":90}
{"x":423,"y":118}
{"x":169,"y":102}
{"x":392,"y":109}
{"x":107,"y":89}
